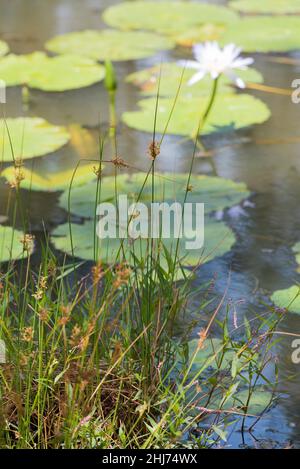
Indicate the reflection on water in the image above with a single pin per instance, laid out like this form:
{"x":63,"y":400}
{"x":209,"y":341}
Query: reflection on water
{"x":261,"y":259}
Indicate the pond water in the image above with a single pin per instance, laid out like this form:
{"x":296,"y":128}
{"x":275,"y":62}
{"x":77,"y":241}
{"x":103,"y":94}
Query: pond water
{"x":265,"y":157}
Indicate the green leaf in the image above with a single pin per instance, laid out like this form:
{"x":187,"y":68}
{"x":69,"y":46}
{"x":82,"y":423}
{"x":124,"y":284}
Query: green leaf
{"x":166,"y":17}
{"x":109,"y":44}
{"x":288,"y":299}
{"x":168,"y":75}
{"x":215,"y":192}
{"x":296,"y":250}
{"x":215,"y":354}
{"x":11,"y":246}
{"x":229,"y":111}
{"x":30,"y":137}
{"x":266,"y":6}
{"x":218,"y":240}
{"x":52,"y":181}
{"x":37,"y":70}
{"x":3,"y":48}
{"x":265,"y":34}
{"x":259,"y":400}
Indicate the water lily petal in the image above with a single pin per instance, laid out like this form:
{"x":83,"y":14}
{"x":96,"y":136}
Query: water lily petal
{"x":197,"y":77}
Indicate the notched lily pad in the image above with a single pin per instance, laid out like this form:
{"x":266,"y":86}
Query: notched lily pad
{"x":37,"y":70}
{"x":3,"y":48}
{"x":110,"y":44}
{"x":52,"y":181}
{"x":167,"y":17}
{"x":266,"y":6}
{"x":170,"y":76}
{"x":11,"y":244}
{"x":29,"y":137}
{"x":229,"y":112}
{"x":265,"y":33}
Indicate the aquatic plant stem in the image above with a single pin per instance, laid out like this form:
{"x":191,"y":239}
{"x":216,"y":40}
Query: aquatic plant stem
{"x":201,"y":124}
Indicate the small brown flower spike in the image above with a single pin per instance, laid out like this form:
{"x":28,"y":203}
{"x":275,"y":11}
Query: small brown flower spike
{"x":154,"y":150}
{"x":119,"y":162}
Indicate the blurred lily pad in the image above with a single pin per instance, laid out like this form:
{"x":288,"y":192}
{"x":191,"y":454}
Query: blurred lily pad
{"x":11,"y":246}
{"x":37,"y":70}
{"x":3,"y":48}
{"x":288,"y":299}
{"x":166,"y":17}
{"x":213,"y":353}
{"x":254,"y":404}
{"x":296,"y":250}
{"x":29,"y":137}
{"x":52,"y":181}
{"x":215,"y":192}
{"x":169,"y":76}
{"x":266,"y":6}
{"x":229,"y":112}
{"x":265,"y":33}
{"x":109,"y":44}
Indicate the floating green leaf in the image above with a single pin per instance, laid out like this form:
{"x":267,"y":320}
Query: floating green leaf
{"x":11,"y":246}
{"x":216,"y":193}
{"x":52,"y":181}
{"x":229,"y":112}
{"x":3,"y":48}
{"x":265,"y":33}
{"x":109,"y":44}
{"x":29,"y":137}
{"x":254,"y":404}
{"x":266,"y":6}
{"x":37,"y":70}
{"x":218,"y":240}
{"x":213,"y":353}
{"x":166,"y":17}
{"x":169,"y":75}
{"x":288,"y":299}
{"x":296,"y":250}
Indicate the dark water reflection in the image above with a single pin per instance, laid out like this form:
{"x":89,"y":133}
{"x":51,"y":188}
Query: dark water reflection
{"x":261,"y":260}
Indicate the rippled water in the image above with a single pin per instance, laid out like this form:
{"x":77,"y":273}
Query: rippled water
{"x":262,"y":157}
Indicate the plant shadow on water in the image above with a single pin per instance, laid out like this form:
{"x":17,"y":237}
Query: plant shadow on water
{"x":264,"y":157}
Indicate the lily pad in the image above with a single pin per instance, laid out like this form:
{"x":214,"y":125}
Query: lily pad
{"x":216,"y":193}
{"x":296,"y":250}
{"x":3,"y":48}
{"x":52,"y":181}
{"x":29,"y":137}
{"x":166,"y":17}
{"x":218,"y":240}
{"x":214,"y":354}
{"x":265,"y":33}
{"x":37,"y":70}
{"x":266,"y":6}
{"x":259,"y":401}
{"x":11,"y":246}
{"x":109,"y":44}
{"x":169,"y":75}
{"x":288,"y":299}
{"x":229,"y":112}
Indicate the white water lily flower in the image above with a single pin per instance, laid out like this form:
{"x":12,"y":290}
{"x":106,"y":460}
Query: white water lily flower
{"x":212,"y":59}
